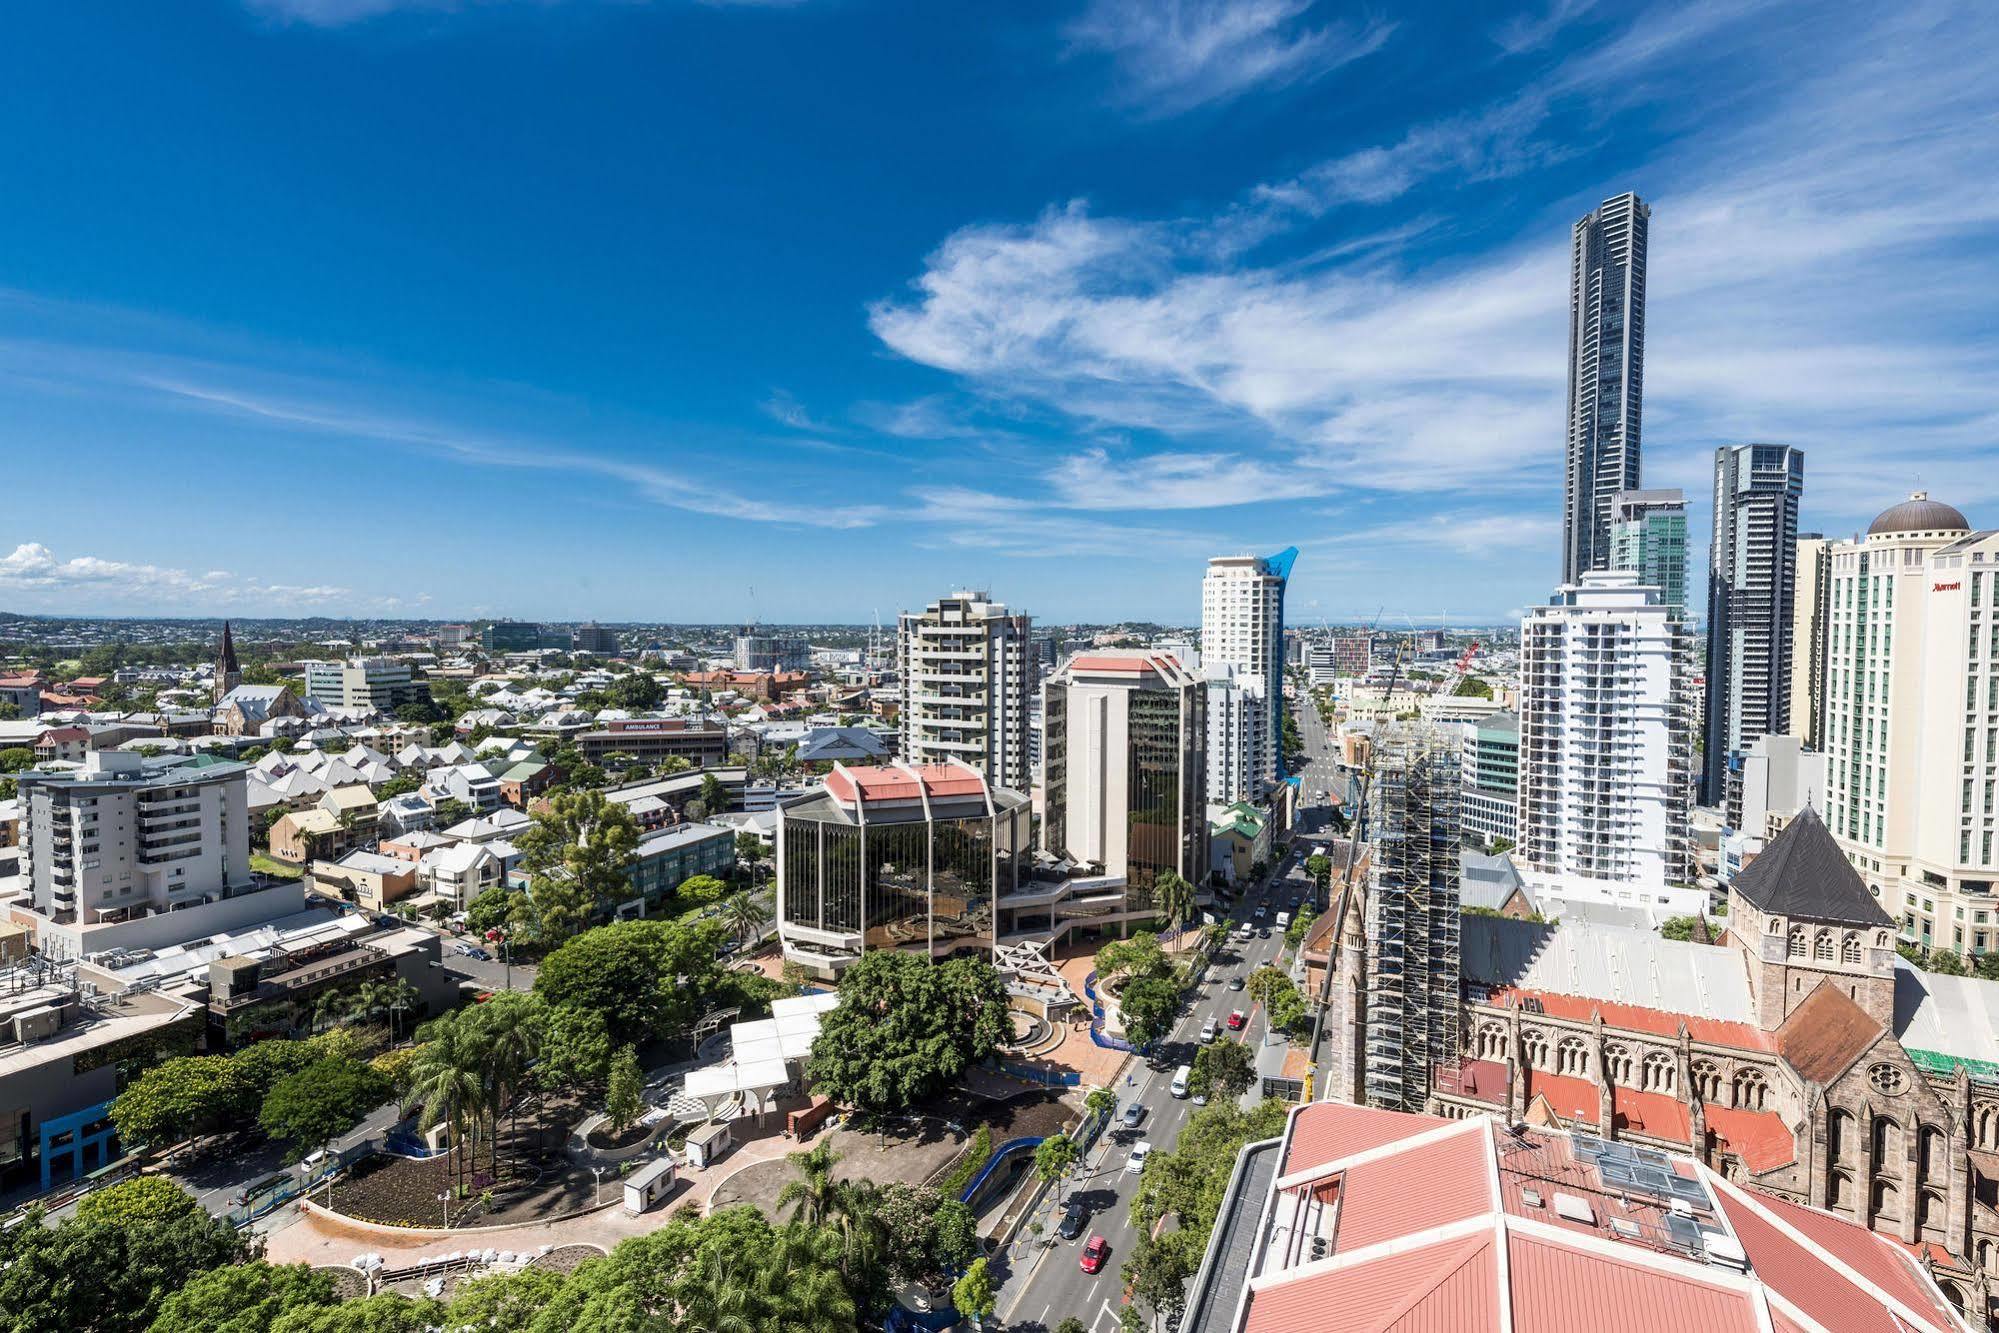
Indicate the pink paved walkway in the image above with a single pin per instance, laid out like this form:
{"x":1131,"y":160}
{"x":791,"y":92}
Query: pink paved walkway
{"x":317,"y":1239}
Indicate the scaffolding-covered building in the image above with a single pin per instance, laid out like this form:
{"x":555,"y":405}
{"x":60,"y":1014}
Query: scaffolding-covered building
{"x":1411,"y":972}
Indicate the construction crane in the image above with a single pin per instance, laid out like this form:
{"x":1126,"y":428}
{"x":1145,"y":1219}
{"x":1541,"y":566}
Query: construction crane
{"x":1464,"y":659}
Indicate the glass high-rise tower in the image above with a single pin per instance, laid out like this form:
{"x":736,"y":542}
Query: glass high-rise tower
{"x":1751,"y":601}
{"x":1606,"y":376}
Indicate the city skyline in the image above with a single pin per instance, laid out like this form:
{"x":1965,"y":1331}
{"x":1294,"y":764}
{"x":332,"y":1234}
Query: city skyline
{"x":1131,"y":292}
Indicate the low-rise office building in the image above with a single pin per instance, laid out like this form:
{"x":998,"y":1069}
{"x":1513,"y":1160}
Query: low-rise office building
{"x":898,"y":856}
{"x":669,"y":857}
{"x":652,"y":739}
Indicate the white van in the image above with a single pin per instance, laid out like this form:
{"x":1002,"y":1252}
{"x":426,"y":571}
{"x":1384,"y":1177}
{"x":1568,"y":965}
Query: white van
{"x":1209,"y":1031}
{"x":1283,"y":920}
{"x":1180,"y":1077}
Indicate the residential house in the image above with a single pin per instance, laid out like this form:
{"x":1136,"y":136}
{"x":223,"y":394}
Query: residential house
{"x":63,"y":745}
{"x":459,"y":873}
{"x":473,"y":784}
{"x":524,"y":781}
{"x":406,"y":814}
{"x":1238,"y":837}
{"x":415,"y":845}
{"x":366,"y":878}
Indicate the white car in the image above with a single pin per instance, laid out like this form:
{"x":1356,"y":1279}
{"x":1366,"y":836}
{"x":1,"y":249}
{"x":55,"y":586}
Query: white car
{"x":1209,"y":1031}
{"x":1139,"y":1153}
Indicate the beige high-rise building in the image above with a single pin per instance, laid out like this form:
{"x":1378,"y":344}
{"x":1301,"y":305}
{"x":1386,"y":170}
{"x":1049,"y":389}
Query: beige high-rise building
{"x":1125,"y":780}
{"x":968,"y":679}
{"x":1808,"y":624}
{"x":1912,"y":719}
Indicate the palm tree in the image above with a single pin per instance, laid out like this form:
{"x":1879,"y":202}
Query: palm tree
{"x":745,"y":915}
{"x":1175,"y":898}
{"x":815,"y":1191}
{"x":804,"y":1289}
{"x":715,"y":1298}
{"x":447,"y":1077}
{"x":510,"y":1030}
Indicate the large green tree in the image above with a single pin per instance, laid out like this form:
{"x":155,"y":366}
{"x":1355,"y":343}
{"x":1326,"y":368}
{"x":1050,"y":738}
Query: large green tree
{"x":104,"y":1275}
{"x":243,"y":1298}
{"x":319,"y":1103}
{"x":649,"y":979}
{"x":182,"y":1098}
{"x":578,"y":855}
{"x":140,"y":1201}
{"x":1222,"y":1069}
{"x":1148,"y":1007}
{"x":905,"y":1028}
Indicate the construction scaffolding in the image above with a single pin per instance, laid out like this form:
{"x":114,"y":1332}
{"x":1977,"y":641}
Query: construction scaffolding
{"x":1411,"y":999}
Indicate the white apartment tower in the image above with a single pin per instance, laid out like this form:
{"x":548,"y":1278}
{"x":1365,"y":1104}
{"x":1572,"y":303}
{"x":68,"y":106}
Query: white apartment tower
{"x":1911,"y":719}
{"x":1242,"y":652}
{"x":1606,"y":750}
{"x":125,"y":837}
{"x":968,"y":680}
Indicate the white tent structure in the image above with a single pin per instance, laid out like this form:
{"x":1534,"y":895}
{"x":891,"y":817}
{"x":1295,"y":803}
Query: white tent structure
{"x":767,"y":1054}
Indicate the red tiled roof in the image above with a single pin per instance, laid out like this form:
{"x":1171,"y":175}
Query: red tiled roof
{"x":1450,"y":1287}
{"x":1824,"y":1035}
{"x":1571,"y":1098}
{"x":1655,"y":1114}
{"x":1760,"y":1138}
{"x":1414,"y":1231}
{"x":879,"y":782}
{"x":1317,"y":1139}
{"x":1811,"y":1284}
{"x":29,"y":681}
{"x":1123,"y":665}
{"x":1559,"y":1289}
{"x":1874,"y":1257}
{"x":1403,"y":1193}
{"x":57,"y":735}
{"x":1637,"y":1018}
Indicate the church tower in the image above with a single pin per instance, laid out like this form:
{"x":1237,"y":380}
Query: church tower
{"x":1801,"y":917}
{"x":228,"y":675}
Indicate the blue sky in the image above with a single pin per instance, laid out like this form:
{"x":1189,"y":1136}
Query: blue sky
{"x":587,"y":308}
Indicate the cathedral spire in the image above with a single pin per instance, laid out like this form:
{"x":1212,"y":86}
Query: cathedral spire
{"x":228,"y":675}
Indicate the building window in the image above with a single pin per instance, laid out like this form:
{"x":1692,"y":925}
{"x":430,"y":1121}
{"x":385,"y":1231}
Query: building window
{"x":1822,"y":947}
{"x":1849,"y":949}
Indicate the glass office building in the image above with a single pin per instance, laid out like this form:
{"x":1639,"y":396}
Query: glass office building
{"x":905,"y":857}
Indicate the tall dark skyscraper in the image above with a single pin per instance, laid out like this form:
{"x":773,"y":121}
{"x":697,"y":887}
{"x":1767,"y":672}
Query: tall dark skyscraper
{"x":1606,"y":375}
{"x":1751,"y":602}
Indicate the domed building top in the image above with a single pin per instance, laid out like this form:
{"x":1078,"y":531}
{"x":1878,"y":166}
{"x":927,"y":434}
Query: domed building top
{"x":1918,"y":513}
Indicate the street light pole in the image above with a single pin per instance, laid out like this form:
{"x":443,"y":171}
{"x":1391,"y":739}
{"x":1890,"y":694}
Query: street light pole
{"x":444,"y":1200}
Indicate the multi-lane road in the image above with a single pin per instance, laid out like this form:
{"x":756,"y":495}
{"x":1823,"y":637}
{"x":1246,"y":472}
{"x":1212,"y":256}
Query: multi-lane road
{"x":1048,"y":1284}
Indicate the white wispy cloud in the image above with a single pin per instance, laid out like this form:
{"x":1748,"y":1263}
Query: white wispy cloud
{"x":659,"y":485}
{"x":1532,"y":31}
{"x":1821,"y":272}
{"x":1092,"y":479}
{"x":33,"y":568}
{"x":1173,"y":55}
{"x":965,"y":517}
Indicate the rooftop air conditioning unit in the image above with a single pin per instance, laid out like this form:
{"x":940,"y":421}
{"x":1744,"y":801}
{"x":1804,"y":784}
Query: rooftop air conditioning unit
{"x":1726,"y":1251}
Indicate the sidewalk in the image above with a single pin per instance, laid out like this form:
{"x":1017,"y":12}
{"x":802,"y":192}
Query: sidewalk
{"x":317,"y":1239}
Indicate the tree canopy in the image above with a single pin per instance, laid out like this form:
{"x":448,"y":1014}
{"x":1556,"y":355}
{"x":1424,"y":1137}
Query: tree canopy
{"x":578,"y":855}
{"x":905,"y":1028}
{"x":107,"y":1274}
{"x":648,"y":979}
{"x":1148,"y":1007}
{"x":319,"y":1103}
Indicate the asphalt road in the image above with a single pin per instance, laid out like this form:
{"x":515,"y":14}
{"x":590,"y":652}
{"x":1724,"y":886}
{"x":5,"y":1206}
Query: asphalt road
{"x":1045,"y":1290}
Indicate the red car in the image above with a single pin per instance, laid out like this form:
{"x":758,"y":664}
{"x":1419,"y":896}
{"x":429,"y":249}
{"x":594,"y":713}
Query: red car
{"x":1236,"y":1020}
{"x":1094,"y":1253}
